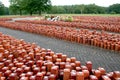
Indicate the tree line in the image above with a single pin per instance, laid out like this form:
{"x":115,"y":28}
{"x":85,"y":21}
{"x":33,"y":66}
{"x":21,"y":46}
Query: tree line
{"x":44,"y":6}
{"x":3,"y":10}
{"x":86,"y":9}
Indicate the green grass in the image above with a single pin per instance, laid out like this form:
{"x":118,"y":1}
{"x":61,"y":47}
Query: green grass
{"x":9,"y":16}
{"x":105,"y":15}
{"x":85,"y":14}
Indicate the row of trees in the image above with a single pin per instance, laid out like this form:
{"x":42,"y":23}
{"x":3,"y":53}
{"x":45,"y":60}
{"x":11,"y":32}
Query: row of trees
{"x":41,"y":6}
{"x":115,"y":8}
{"x":86,"y":9}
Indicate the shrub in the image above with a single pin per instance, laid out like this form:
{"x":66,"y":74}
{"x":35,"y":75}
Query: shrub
{"x":46,"y":17}
{"x":68,"y":19}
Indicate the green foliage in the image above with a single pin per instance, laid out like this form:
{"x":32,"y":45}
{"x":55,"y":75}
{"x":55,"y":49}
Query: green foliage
{"x":57,"y":9}
{"x":47,"y":16}
{"x":68,"y":19}
{"x":16,"y":6}
{"x":112,"y":12}
{"x":115,"y":8}
{"x":1,"y":9}
{"x":94,"y":9}
{"x":6,"y":11}
{"x":30,"y":6}
{"x":42,"y":6}
{"x":78,"y":9}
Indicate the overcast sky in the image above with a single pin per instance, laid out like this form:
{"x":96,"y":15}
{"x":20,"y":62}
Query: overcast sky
{"x":104,"y":3}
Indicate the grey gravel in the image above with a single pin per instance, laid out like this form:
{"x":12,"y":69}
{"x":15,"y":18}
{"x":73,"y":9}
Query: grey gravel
{"x":110,"y":60}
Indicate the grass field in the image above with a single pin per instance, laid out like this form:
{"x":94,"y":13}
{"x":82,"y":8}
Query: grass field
{"x":63,"y":15}
{"x":85,"y":14}
{"x":8,"y":16}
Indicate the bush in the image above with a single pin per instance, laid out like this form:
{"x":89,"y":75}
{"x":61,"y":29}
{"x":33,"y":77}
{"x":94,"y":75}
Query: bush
{"x":47,"y":16}
{"x":112,"y":12}
{"x":68,"y":19}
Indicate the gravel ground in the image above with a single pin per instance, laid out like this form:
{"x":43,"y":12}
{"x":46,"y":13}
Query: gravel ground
{"x":110,"y":60}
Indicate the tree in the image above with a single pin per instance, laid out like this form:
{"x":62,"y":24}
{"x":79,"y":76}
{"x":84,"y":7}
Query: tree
{"x":115,"y":8}
{"x":29,"y":6}
{"x":57,"y":9}
{"x":13,"y":9}
{"x":33,"y":6}
{"x":79,"y":8}
{"x":1,"y":8}
{"x":43,"y":5}
{"x":16,"y":6}
{"x":6,"y":10}
{"x":91,"y":9}
{"x":69,"y":9}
